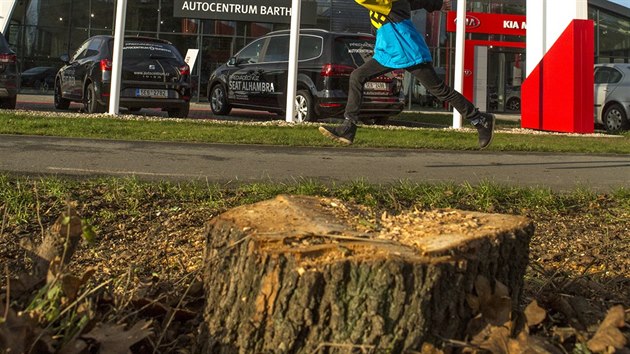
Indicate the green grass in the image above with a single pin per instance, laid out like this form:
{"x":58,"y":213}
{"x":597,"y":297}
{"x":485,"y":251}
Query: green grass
{"x":280,"y":133}
{"x":129,"y":196}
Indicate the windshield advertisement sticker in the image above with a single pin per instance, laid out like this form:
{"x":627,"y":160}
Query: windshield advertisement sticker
{"x":271,"y":11}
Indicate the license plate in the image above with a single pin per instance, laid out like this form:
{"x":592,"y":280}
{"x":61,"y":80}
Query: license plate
{"x":151,"y":93}
{"x":377,"y":86}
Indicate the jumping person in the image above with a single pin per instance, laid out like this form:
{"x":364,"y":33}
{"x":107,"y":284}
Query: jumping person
{"x":400,"y":46}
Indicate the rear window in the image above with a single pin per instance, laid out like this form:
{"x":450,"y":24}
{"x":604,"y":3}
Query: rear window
{"x":352,"y":51}
{"x":141,"y":50}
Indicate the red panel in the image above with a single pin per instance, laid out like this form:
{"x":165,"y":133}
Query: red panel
{"x":480,"y":22}
{"x":558,"y":94}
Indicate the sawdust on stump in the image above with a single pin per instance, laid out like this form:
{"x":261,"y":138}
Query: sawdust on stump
{"x":298,"y":274}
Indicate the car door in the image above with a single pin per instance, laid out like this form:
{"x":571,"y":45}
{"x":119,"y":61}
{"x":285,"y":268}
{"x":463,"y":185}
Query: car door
{"x":68,"y":74}
{"x":74,"y":74}
{"x":606,"y":80}
{"x":275,"y":66}
{"x":244,"y":74}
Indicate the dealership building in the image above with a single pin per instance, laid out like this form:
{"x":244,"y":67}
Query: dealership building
{"x":40,"y":31}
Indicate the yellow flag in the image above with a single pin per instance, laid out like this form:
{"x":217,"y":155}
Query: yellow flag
{"x":380,"y":6}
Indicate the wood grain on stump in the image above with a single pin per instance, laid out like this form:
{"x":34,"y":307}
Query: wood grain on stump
{"x":305,"y":274}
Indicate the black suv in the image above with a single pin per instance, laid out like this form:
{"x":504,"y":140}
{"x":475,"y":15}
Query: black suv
{"x":9,"y":75}
{"x":154,"y":74}
{"x":256,"y":77}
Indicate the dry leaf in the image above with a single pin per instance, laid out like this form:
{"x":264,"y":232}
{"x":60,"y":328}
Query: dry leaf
{"x":608,"y":334}
{"x":114,"y":339}
{"x":534,"y":314}
{"x":495,"y":306}
{"x":17,"y":333}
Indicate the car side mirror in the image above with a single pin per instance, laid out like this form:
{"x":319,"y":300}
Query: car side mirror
{"x":232,"y":61}
{"x":65,"y":58}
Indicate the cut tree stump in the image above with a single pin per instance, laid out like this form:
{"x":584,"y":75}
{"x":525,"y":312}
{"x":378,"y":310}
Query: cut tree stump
{"x":307,"y":275}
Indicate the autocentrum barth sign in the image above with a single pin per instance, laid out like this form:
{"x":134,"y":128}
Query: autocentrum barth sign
{"x":270,"y":11}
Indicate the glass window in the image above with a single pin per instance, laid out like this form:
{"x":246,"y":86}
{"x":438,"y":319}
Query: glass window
{"x":310,"y":47}
{"x":251,"y":53}
{"x":80,"y":53}
{"x":605,"y":75}
{"x":94,"y":47}
{"x":352,"y":51}
{"x":278,"y":49}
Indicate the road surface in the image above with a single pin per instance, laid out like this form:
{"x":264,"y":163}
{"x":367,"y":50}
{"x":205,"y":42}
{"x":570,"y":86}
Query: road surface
{"x":221,"y":163}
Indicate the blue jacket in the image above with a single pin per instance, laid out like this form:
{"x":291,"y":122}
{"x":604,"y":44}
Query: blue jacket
{"x":398,"y":44}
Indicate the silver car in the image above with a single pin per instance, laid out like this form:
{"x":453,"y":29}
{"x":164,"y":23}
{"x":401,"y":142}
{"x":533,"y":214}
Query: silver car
{"x":612,"y":96}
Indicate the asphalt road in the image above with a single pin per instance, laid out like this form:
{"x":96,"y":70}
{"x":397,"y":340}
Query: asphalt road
{"x":35,"y":155}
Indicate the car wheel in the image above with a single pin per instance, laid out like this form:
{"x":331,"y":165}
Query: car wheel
{"x":91,"y":103}
{"x":514,"y":104}
{"x":60,"y":102}
{"x":180,"y":112}
{"x":304,"y":111}
{"x":218,"y":101}
{"x":615,"y":119}
{"x":8,"y":103}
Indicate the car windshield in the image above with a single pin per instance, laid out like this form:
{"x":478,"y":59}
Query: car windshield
{"x":138,"y":50}
{"x":353,"y":50}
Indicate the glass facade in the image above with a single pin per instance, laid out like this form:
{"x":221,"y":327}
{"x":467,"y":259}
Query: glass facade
{"x":40,"y":31}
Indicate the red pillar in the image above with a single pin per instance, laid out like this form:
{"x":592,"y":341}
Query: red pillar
{"x":558,"y":94}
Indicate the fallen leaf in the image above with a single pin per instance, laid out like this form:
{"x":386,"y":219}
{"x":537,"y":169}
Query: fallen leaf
{"x":534,"y":314}
{"x":114,"y":339}
{"x":608,"y":334}
{"x":17,"y":333}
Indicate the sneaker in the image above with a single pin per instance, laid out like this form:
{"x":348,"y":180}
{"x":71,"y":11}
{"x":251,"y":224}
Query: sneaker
{"x":485,"y":128}
{"x":343,"y":133}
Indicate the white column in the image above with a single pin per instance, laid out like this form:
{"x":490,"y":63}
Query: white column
{"x":294,"y":42}
{"x":119,"y":36}
{"x":460,"y":37}
{"x":546,"y":20}
{"x":6,"y":11}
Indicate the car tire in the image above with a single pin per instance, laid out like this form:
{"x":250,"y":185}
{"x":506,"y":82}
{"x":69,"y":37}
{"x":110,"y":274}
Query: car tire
{"x":180,"y":112}
{"x":92,"y":105}
{"x":615,"y":119}
{"x":513,"y":104}
{"x":218,"y":101}
{"x":8,"y":103}
{"x":304,"y":109}
{"x":59,"y":101}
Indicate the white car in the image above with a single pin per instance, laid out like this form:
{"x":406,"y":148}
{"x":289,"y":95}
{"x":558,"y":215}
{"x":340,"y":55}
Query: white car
{"x":612,"y":96}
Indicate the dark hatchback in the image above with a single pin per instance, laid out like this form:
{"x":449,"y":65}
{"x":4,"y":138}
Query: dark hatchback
{"x":154,"y":74}
{"x":9,"y":75}
{"x":256,"y":77}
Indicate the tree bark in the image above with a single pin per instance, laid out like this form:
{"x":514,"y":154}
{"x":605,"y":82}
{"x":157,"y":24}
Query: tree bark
{"x":304,"y":275}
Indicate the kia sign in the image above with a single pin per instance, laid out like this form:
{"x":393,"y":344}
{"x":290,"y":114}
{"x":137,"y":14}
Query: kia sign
{"x":477,"y":22}
{"x":270,"y":11}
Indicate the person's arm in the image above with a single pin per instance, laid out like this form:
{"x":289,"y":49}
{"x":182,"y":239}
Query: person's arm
{"x":429,"y":5}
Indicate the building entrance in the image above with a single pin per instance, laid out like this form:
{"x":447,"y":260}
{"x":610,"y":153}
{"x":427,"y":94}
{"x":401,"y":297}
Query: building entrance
{"x":505,"y":75}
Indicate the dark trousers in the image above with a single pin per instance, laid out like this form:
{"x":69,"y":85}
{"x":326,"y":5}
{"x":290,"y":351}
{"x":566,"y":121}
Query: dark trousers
{"x":425,"y":73}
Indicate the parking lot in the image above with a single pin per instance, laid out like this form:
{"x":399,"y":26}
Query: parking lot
{"x":198,"y":110}
{"x":201,"y":110}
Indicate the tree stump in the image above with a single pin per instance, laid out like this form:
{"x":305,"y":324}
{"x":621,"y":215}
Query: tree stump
{"x":304,"y":274}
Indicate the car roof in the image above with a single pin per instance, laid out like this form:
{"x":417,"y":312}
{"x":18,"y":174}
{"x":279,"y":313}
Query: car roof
{"x":323,"y":32}
{"x":621,"y":66}
{"x":129,"y":38}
